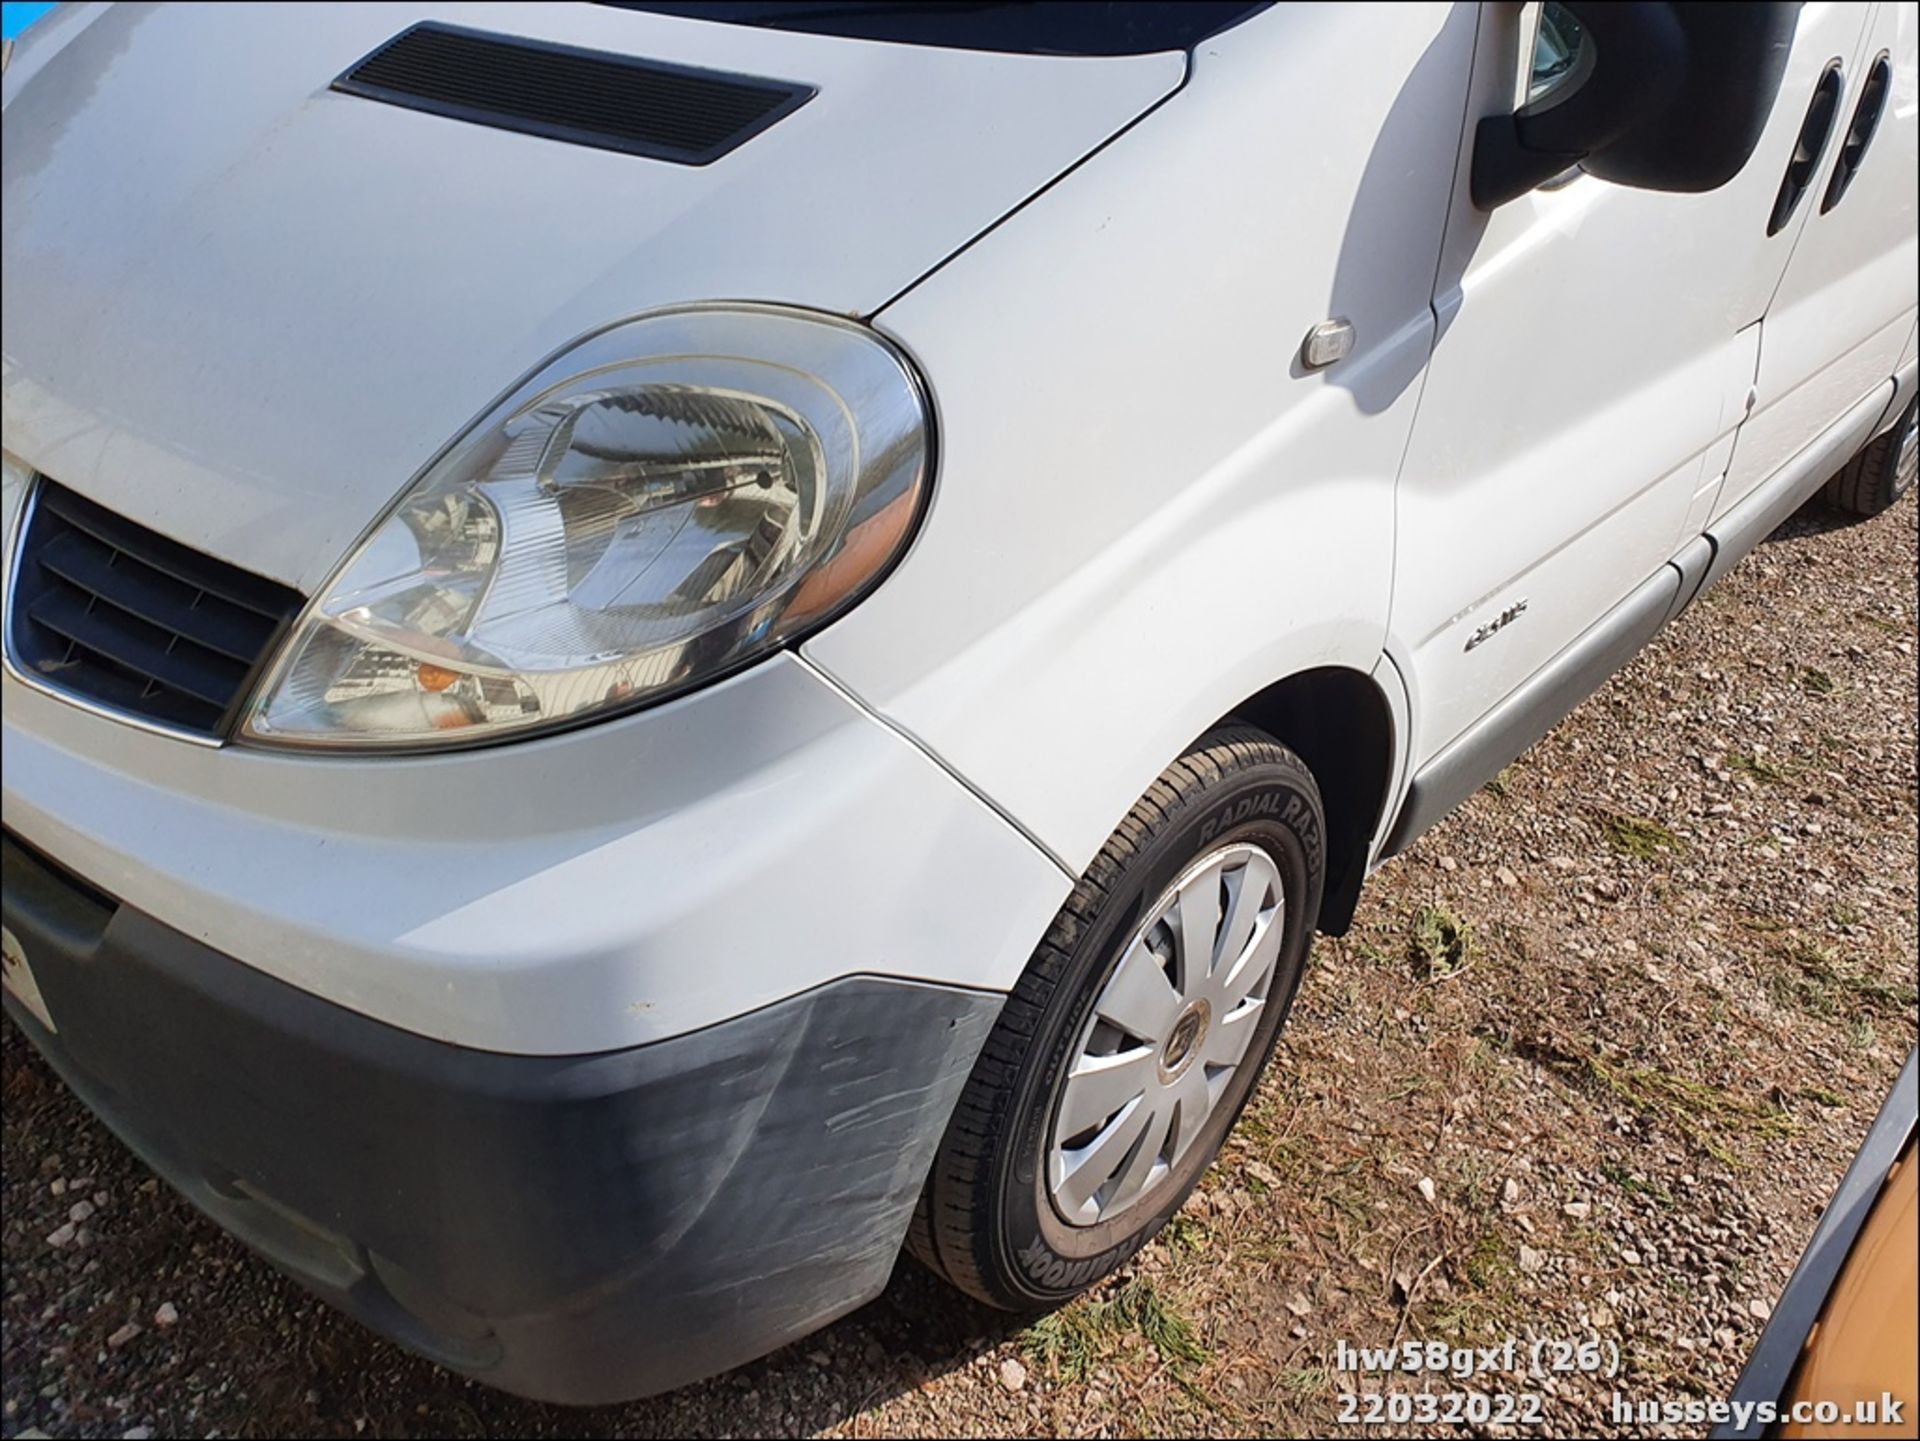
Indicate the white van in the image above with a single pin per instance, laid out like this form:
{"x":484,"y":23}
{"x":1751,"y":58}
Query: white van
{"x":653,"y":650}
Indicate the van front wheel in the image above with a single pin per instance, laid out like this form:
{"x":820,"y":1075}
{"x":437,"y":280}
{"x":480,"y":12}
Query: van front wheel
{"x":1137,"y":1032}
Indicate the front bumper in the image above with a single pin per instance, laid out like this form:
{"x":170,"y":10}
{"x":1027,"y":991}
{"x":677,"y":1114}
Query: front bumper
{"x":581,"y":1228}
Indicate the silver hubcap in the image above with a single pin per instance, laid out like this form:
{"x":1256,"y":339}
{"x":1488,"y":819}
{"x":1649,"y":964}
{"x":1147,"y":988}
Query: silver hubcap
{"x":1169,"y":1030}
{"x":1906,"y":465}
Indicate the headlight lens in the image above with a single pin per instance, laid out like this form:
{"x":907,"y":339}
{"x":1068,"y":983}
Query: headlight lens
{"x":663,"y":501}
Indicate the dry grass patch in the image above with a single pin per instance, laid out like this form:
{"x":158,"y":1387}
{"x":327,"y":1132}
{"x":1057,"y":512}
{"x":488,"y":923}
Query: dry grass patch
{"x":1069,"y":1343}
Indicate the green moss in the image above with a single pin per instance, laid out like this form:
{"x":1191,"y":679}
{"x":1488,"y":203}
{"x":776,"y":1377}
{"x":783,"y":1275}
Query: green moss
{"x":1442,"y":942}
{"x":1815,"y":681}
{"x":1637,"y":836}
{"x":1758,"y":767}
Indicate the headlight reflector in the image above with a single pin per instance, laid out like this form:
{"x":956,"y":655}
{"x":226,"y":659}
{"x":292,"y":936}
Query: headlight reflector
{"x":661,"y":502}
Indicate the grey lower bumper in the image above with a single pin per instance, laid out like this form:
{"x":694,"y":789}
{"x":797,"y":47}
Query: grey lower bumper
{"x":579,"y":1229}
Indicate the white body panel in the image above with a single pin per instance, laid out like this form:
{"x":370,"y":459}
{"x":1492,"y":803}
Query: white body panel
{"x":588,"y":892}
{"x":1146,"y":509}
{"x":1591,"y":343}
{"x":1846,"y":304}
{"x":246,"y":313}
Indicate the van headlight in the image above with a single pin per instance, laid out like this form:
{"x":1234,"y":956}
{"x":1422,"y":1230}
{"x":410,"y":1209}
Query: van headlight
{"x":662,"y":502}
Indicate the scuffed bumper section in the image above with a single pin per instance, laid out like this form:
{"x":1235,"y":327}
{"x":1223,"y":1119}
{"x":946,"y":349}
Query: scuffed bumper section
{"x":579,"y":1229}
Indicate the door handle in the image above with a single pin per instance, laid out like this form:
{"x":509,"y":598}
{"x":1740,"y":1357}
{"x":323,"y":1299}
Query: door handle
{"x":1866,"y":121}
{"x":1808,"y":149}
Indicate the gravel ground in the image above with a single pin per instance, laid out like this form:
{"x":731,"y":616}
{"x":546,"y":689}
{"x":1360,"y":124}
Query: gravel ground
{"x":1589,"y":1065}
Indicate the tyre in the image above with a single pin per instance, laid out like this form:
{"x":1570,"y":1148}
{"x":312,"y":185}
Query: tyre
{"x":1137,"y":1032}
{"x":1882,"y":472}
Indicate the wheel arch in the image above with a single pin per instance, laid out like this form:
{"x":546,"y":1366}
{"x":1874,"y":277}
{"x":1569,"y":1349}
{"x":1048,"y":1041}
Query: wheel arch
{"x":1340,"y":722}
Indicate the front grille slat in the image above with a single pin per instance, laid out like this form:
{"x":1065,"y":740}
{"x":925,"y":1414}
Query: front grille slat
{"x":113,"y":613}
{"x":138,"y":646}
{"x":113,"y":686}
{"x":182,"y":562}
{"x":129,"y":585}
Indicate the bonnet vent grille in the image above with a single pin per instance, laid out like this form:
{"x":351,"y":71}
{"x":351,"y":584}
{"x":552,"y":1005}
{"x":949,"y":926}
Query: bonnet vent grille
{"x":582,"y":97}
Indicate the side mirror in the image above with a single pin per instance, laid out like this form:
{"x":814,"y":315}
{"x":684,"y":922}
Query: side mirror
{"x":1658,"y":96}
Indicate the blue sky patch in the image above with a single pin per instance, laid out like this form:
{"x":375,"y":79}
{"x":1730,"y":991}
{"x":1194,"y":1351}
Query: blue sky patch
{"x":15,"y":18}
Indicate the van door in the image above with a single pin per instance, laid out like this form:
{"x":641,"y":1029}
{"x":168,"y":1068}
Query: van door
{"x":1588,"y":337}
{"x":1834,"y":330}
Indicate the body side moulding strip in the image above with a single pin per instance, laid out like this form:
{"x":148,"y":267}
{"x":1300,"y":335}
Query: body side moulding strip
{"x":1531,"y":710}
{"x":1904,"y":381}
{"x":1693,"y":562}
{"x":1773,"y":500}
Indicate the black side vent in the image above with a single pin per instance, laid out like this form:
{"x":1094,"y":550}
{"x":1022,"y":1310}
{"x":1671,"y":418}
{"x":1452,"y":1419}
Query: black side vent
{"x":584,"y":97}
{"x":110,"y":612}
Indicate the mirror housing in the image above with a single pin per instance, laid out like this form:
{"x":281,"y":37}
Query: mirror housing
{"x":1673,"y":97}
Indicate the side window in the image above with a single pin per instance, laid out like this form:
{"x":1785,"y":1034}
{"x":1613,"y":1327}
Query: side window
{"x":1561,"y":53}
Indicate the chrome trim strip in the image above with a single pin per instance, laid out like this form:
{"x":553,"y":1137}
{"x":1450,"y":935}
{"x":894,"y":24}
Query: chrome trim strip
{"x":16,"y":672}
